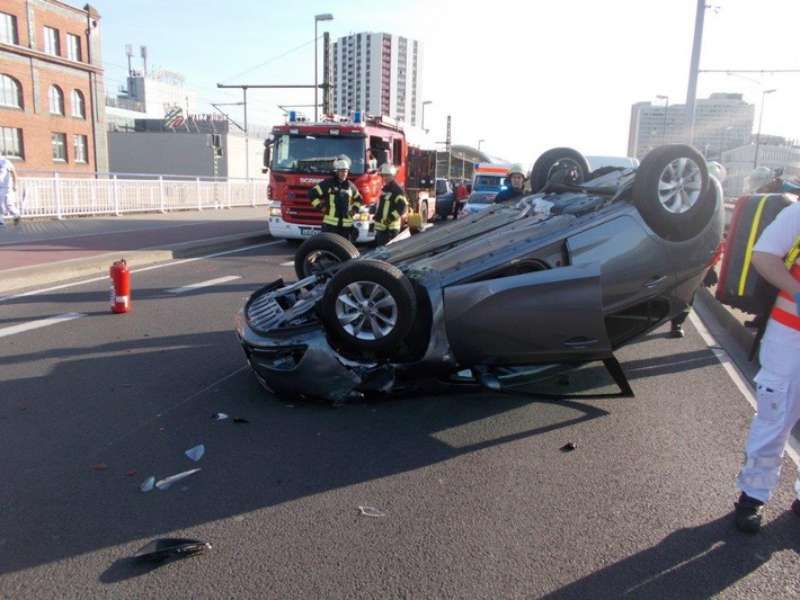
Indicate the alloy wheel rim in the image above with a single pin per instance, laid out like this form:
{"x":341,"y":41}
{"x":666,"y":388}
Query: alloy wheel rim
{"x":366,"y":310}
{"x":679,"y":185}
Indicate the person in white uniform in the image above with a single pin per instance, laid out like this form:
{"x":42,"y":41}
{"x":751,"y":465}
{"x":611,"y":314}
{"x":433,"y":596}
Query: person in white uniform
{"x":775,"y":257}
{"x":8,"y":189}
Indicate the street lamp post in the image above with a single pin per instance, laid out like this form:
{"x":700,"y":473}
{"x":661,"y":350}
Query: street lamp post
{"x":317,"y":19}
{"x":666,"y":110}
{"x":479,"y":144}
{"x":424,"y":104}
{"x":760,"y":119}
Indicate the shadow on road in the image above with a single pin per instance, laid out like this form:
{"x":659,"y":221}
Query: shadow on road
{"x":123,"y":408}
{"x":693,"y":563}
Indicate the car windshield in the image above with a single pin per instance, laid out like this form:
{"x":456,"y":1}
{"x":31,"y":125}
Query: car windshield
{"x":315,"y":154}
{"x":488,"y":183}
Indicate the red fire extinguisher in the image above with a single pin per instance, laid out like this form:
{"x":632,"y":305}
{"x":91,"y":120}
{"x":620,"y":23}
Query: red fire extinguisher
{"x":120,"y":287}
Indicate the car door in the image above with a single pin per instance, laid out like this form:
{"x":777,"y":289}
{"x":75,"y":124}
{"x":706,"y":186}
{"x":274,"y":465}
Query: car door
{"x":552,"y":315}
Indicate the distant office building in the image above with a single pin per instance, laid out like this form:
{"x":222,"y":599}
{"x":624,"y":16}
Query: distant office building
{"x":148,"y":95}
{"x":52,"y":113}
{"x":378,"y":73}
{"x":722,"y":122}
{"x":739,"y":162}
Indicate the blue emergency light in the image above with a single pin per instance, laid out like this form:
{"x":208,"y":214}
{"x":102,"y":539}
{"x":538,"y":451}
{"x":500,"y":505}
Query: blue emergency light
{"x":292,"y":116}
{"x":357,"y":117}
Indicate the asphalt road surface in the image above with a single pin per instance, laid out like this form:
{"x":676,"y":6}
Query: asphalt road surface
{"x":478,"y":500}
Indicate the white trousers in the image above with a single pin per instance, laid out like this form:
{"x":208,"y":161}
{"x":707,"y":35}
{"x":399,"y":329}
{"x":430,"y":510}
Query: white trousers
{"x":8,"y":204}
{"x":778,"y":396}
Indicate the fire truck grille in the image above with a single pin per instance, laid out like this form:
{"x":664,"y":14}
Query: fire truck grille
{"x":264,"y":313}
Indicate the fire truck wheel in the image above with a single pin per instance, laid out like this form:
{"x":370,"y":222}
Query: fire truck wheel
{"x":369,"y":307}
{"x":321,"y":252}
{"x":672,"y":192}
{"x":563,"y":164}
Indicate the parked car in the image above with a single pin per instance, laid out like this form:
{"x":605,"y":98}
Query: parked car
{"x":566,"y":276}
{"x":445,"y":196}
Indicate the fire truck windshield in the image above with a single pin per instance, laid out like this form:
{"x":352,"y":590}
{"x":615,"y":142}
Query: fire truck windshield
{"x":315,"y":154}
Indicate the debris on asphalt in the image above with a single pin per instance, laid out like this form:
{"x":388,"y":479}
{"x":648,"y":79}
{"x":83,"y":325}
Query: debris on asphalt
{"x":240,"y":420}
{"x":196,"y":453}
{"x":131,"y":473}
{"x":370,"y":511}
{"x":569,"y":447}
{"x":164,"y":484}
{"x":100,"y":467}
{"x":148,"y":484}
{"x":219,"y":416}
{"x":171,"y":548}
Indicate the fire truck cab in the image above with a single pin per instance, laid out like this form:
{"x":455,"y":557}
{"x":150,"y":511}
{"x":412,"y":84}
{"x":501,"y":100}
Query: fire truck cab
{"x":300,"y":154}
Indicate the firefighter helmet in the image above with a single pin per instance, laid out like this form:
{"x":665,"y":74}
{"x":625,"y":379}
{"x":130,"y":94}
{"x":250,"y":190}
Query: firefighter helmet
{"x":341,"y":165}
{"x":516,"y":169}
{"x":387,"y":169}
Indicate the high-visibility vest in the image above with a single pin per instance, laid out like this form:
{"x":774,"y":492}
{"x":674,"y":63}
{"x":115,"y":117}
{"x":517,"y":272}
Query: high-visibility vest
{"x":392,"y":206}
{"x":336,"y":199}
{"x":785,"y":309}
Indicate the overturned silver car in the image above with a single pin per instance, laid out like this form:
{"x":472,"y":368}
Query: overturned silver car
{"x":565,"y":276}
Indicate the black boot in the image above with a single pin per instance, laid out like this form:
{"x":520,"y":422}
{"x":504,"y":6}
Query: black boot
{"x":749,"y":513}
{"x":676,"y":331}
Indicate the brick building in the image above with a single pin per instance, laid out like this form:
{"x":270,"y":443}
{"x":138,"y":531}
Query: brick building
{"x":52,"y":99}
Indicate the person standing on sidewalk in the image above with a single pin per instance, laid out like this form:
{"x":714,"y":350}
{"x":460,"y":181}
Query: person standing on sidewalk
{"x":8,"y":190}
{"x":776,"y":257}
{"x":392,"y":205}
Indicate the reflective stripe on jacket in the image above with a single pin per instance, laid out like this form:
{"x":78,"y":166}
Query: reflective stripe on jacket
{"x":785,"y":309}
{"x":392,"y":206}
{"x":337,"y":200}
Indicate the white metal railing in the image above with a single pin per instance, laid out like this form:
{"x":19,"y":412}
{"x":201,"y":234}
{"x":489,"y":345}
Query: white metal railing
{"x":58,"y":195}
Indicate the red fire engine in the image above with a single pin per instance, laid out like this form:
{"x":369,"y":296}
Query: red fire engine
{"x":300,"y":154}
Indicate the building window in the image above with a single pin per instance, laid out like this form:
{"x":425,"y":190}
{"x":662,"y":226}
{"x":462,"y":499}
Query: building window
{"x":56,"y":99}
{"x":11,"y":142}
{"x":58,"y":141}
{"x":73,"y":47}
{"x":78,"y":104}
{"x":10,"y":92}
{"x":79,"y":149}
{"x":8,"y":29}
{"x":51,"y":41}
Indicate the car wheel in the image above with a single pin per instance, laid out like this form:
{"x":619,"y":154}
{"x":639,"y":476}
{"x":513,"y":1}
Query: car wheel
{"x":321,"y":252}
{"x":671,"y":192}
{"x":564,"y":165}
{"x":369,"y":307}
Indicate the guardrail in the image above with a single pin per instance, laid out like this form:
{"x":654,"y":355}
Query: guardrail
{"x":63,"y":196}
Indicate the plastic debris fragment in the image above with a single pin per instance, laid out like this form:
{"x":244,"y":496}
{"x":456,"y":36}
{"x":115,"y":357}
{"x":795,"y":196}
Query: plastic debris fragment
{"x":100,"y":467}
{"x":371,"y":511}
{"x":196,"y":453}
{"x":569,"y":447}
{"x":148,"y":484}
{"x":164,"y":484}
{"x":219,"y":416}
{"x":240,"y":420}
{"x":171,"y":548}
{"x":131,"y":473}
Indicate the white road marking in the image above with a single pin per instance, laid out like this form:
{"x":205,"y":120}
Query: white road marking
{"x":288,"y":263}
{"x":202,"y":284}
{"x":739,"y":380}
{"x":173,"y":263}
{"x":38,"y":324}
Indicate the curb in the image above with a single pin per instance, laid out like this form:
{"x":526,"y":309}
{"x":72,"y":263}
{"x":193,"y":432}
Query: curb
{"x":726,"y":325}
{"x":12,"y":280}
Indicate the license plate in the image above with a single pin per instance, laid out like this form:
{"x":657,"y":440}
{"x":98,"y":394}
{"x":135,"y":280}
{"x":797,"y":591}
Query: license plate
{"x":308,"y":231}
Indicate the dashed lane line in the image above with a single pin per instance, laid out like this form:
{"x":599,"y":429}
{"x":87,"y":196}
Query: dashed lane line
{"x":38,"y":324}
{"x":203,"y":284}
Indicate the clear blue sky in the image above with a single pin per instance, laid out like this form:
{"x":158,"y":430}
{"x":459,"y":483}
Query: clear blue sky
{"x":524,"y":75}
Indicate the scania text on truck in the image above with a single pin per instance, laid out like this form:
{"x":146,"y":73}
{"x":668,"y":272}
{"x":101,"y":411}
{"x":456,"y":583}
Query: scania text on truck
{"x":300,"y":154}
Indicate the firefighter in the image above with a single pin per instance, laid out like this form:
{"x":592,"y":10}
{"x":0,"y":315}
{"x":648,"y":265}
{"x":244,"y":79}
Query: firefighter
{"x":516,"y":177}
{"x":776,"y":257}
{"x":337,"y":198}
{"x":392,"y":206}
{"x":8,"y":189}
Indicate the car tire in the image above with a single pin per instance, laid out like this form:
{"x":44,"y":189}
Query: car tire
{"x":672,"y":193}
{"x":545,"y":165}
{"x":322,"y":251}
{"x":380,"y":328}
